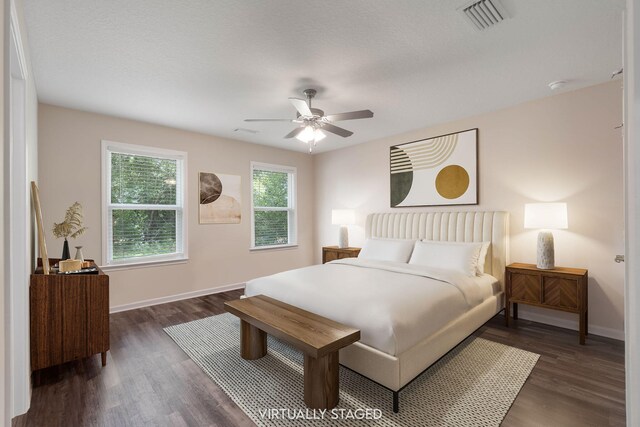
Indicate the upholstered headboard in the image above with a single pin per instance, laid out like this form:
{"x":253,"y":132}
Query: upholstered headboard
{"x":451,"y":227}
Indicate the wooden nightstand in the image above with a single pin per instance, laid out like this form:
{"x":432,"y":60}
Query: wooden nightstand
{"x":564,"y":289}
{"x":330,"y":253}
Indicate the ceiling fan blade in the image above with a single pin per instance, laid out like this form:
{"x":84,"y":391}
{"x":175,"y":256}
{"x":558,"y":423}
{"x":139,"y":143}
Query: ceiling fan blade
{"x":294,"y":132}
{"x":337,"y":130}
{"x":352,"y":115}
{"x":301,"y":106}
{"x":268,"y":120}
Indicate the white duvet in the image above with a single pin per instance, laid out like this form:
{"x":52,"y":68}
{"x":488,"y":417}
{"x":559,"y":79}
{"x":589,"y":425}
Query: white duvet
{"x":395,"y":305}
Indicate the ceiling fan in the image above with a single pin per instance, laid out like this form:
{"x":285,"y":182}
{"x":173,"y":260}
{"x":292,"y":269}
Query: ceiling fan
{"x":313,"y":121}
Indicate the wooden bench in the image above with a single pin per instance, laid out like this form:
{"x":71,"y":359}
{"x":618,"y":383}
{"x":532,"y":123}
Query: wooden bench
{"x":317,"y":337}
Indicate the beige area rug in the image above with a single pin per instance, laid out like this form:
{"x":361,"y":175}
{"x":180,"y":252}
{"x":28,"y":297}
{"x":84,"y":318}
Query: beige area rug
{"x":473,"y":385}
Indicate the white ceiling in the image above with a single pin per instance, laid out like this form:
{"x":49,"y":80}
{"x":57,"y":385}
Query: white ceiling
{"x":206,"y":65}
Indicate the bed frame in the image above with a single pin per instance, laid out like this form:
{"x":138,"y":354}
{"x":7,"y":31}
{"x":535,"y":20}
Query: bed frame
{"x":396,"y":372}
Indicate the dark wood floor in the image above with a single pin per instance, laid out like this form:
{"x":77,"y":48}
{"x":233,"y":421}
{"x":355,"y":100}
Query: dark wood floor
{"x":148,"y":380}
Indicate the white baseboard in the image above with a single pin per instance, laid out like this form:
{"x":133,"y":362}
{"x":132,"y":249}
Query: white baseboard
{"x":573,"y":325}
{"x":177,"y":297}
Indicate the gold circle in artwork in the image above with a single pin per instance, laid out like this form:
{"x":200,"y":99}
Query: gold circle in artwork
{"x":452,"y":182}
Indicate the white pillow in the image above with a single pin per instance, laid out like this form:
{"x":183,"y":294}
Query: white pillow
{"x":460,"y":257}
{"x":398,"y":250}
{"x":482,"y":258}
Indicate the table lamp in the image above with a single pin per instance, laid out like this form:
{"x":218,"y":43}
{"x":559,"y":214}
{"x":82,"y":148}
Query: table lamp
{"x":545,"y":216}
{"x":343,"y":217}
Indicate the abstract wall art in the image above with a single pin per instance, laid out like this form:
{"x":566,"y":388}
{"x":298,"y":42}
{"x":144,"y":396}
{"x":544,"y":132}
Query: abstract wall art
{"x":438,"y":171}
{"x":219,"y":199}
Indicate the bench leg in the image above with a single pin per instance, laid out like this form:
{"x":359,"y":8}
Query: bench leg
{"x":321,"y":381}
{"x":396,"y":403}
{"x":253,"y":341}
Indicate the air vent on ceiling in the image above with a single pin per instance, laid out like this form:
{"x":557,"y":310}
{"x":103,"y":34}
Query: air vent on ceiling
{"x":483,"y":14}
{"x":245,"y":130}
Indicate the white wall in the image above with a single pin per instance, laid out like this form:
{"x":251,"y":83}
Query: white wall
{"x":69,"y":152}
{"x":560,"y":148}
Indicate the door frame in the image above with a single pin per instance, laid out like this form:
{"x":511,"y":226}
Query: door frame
{"x":632,"y":209}
{"x":19,"y":255}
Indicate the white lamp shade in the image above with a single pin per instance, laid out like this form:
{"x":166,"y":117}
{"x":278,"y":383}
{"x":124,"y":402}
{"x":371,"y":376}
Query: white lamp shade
{"x":343,"y":217}
{"x":545,"y":215}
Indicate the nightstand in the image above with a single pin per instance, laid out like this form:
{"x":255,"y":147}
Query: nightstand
{"x":564,"y":289}
{"x":330,"y":253}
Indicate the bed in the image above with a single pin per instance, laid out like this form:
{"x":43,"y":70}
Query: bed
{"x":409,"y":316}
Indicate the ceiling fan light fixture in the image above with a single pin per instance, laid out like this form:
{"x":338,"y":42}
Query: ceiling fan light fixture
{"x":319,"y":135}
{"x":314,"y":123}
{"x":306,"y":135}
{"x":311,"y":134}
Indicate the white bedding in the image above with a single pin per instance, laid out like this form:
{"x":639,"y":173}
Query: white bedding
{"x":395,"y":305}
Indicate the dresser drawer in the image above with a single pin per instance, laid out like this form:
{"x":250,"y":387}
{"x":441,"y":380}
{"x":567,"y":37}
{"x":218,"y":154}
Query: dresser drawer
{"x":525,"y":287}
{"x":560,"y":292}
{"x":330,"y":256}
{"x":332,"y":253}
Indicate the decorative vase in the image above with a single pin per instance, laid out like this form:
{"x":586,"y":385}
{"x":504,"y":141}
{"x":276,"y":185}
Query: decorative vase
{"x":546,"y":253}
{"x":79,"y":255}
{"x":65,"y":250}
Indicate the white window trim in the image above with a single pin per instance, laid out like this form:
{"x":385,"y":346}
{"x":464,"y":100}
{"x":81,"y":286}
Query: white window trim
{"x":293,"y":207}
{"x":149,"y":261}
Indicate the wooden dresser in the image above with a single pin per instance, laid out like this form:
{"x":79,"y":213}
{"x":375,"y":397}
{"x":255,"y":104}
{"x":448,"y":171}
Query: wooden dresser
{"x":331,"y":253}
{"x":69,"y":317}
{"x":562,"y":288}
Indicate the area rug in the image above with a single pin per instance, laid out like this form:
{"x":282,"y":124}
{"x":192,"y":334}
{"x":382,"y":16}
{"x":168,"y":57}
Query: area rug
{"x":473,"y":385}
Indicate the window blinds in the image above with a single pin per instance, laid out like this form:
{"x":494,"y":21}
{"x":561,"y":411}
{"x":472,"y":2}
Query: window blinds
{"x":273,"y":206}
{"x":145,"y":211}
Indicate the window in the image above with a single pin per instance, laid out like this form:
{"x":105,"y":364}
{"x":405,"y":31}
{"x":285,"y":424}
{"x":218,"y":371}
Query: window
{"x":144,"y":215}
{"x":273,"y":200}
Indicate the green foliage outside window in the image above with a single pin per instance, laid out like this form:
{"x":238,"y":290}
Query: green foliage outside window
{"x":142,"y":180}
{"x":271,"y":190}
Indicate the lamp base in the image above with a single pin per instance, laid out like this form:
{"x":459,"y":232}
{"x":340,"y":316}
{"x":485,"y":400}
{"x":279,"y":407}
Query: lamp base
{"x":546,"y":252}
{"x":343,"y":241}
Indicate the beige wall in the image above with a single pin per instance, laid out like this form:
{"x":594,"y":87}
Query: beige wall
{"x":560,"y":148}
{"x":69,"y":167}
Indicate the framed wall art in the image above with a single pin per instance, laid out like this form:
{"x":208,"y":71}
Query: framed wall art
{"x":439,"y":171}
{"x":220,"y":201}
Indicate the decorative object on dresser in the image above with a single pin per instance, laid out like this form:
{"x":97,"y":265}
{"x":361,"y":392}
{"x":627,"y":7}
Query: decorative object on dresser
{"x":69,"y":317}
{"x":330,"y":253}
{"x":561,"y":288}
{"x":70,"y":227}
{"x":343,"y":218}
{"x":42,"y":245}
{"x":69,"y":265}
{"x":220,"y":198}
{"x":79,"y":255}
{"x":437,"y":171}
{"x":317,"y":337}
{"x":545,"y":216}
